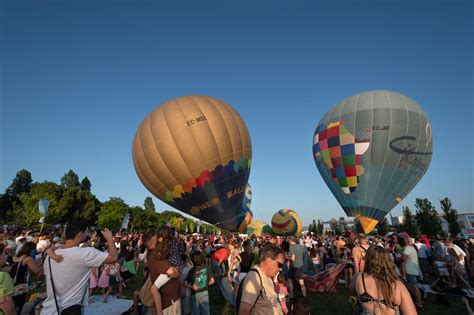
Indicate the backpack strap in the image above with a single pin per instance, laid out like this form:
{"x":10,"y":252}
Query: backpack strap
{"x":52,"y":284}
{"x":240,"y":291}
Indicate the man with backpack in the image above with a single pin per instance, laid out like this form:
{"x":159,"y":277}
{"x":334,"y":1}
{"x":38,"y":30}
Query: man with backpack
{"x":256,"y":294}
{"x":359,"y":252}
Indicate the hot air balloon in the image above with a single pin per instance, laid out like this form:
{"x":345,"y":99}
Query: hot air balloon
{"x":286,"y":222}
{"x":194,"y":153}
{"x":371,"y":150}
{"x":245,"y":215}
{"x":258,"y":228}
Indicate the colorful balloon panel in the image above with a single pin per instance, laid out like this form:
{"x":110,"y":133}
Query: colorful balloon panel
{"x":258,"y":228}
{"x":194,"y":153}
{"x":286,"y":222}
{"x":371,"y":150}
{"x":245,"y":215}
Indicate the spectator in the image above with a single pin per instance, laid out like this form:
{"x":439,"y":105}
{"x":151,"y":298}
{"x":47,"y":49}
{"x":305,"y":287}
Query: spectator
{"x":7,"y":306}
{"x":297,"y":253}
{"x":409,"y":260}
{"x":359,"y":253}
{"x":22,"y":263}
{"x":71,"y":275}
{"x":166,"y":296}
{"x":258,"y":295}
{"x":198,"y":280}
{"x":378,"y":288}
{"x":422,"y":255}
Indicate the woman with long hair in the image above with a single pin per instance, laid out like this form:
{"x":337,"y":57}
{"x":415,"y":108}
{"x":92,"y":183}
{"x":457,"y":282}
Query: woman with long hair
{"x":23,"y":262}
{"x":378,"y":288}
{"x":166,"y":296}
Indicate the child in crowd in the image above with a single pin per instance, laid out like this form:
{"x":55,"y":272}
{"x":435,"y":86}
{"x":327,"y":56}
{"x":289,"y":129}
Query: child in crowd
{"x":114,"y":281}
{"x":103,"y":282}
{"x":198,"y":280}
{"x":93,"y":278}
{"x":282,"y":291}
{"x":314,"y":253}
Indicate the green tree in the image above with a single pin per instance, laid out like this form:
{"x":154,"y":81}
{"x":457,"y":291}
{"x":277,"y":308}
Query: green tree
{"x":20,"y":184}
{"x":451,"y":215}
{"x":70,"y":180}
{"x":383,"y":227}
{"x":86,"y":184}
{"x":320,"y":228}
{"x":178,"y":223}
{"x":342,"y":224}
{"x":409,"y":224}
{"x":335,"y":227}
{"x":427,"y":217}
{"x":310,"y":228}
{"x":148,"y":204}
{"x":112,"y":213}
{"x":314,"y":227}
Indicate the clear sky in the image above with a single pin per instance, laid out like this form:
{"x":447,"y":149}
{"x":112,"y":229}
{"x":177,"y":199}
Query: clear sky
{"x":78,"y":77}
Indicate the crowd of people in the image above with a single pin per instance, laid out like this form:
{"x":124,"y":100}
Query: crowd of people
{"x":257,"y":275}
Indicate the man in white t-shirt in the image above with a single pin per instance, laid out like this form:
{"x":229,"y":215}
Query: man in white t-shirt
{"x":422,"y":256}
{"x":71,"y":276}
{"x":410,"y":259}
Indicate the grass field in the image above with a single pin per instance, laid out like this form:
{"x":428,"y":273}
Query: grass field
{"x":321,"y":303}
{"x":337,"y":304}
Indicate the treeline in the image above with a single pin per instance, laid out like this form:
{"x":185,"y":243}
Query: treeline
{"x":425,"y":221}
{"x":73,"y":198}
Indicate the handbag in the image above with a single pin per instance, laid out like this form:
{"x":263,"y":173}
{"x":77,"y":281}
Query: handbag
{"x":20,"y":288}
{"x":75,"y":309}
{"x":145,"y":293}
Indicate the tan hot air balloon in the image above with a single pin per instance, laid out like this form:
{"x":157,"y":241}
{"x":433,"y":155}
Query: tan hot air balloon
{"x":194,"y":153}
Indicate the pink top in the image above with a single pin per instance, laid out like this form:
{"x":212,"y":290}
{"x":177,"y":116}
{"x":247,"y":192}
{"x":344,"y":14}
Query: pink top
{"x":282,"y":292}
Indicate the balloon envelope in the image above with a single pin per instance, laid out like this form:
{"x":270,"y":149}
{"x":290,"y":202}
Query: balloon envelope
{"x":245,"y":215}
{"x":286,"y":222}
{"x":371,"y":150}
{"x":258,"y":228}
{"x":194,"y":153}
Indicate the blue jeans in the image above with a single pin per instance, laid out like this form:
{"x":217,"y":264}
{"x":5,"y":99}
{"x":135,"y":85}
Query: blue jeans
{"x":200,"y":303}
{"x":412,"y":279}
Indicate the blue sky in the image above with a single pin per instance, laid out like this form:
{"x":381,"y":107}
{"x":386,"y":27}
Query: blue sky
{"x":78,"y":77}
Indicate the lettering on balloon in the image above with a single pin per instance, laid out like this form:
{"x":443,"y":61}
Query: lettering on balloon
{"x":381,"y":128}
{"x":196,"y":120}
{"x":210,"y":203}
{"x":236,"y":191}
{"x":409,"y":156}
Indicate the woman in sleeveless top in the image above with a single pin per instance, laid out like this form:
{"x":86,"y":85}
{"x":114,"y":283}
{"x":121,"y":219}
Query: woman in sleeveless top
{"x":378,"y":288}
{"x":19,"y":271}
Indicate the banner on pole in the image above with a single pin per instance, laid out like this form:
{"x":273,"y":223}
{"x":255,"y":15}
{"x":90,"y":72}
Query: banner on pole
{"x":125,"y":221}
{"x":43,"y":205}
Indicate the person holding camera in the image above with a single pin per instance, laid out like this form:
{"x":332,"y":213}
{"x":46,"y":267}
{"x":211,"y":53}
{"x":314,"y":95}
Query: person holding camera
{"x":66,"y":279}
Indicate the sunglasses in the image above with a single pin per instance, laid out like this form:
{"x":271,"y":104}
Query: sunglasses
{"x":280,"y":265}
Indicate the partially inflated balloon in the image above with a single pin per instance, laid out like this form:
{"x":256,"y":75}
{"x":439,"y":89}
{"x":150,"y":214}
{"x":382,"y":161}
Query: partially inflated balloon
{"x":286,"y":222}
{"x":371,"y":150}
{"x":258,"y":228}
{"x":194,"y":153}
{"x":245,"y":215}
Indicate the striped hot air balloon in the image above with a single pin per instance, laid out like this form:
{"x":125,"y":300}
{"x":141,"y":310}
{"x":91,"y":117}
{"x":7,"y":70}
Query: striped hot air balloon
{"x":286,"y":222}
{"x":194,"y":153}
